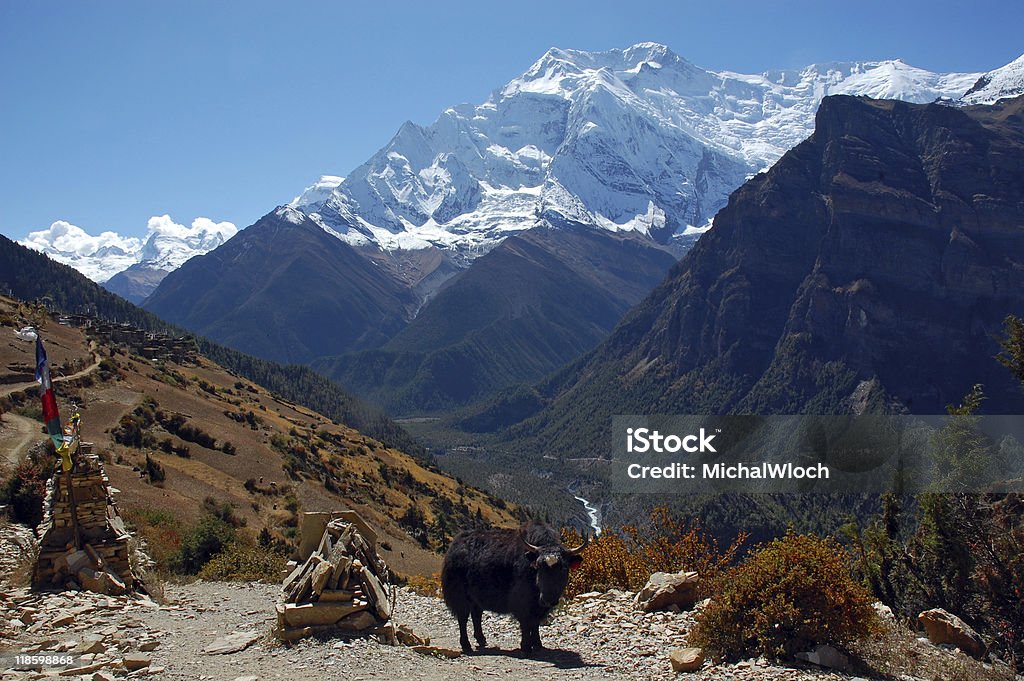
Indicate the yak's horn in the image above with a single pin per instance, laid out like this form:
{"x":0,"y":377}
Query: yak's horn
{"x":532,"y":547}
{"x":577,"y":550}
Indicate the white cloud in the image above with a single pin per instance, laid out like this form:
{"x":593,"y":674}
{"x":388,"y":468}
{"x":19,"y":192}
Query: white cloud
{"x":163,"y":225}
{"x":64,"y":237}
{"x":166,"y":244}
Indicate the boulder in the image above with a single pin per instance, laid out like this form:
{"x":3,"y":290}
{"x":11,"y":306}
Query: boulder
{"x":945,"y":627}
{"x":686,"y":659}
{"x":663,"y":590}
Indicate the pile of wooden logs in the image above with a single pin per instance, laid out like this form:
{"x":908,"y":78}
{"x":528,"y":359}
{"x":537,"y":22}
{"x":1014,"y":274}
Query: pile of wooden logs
{"x":341,"y":588}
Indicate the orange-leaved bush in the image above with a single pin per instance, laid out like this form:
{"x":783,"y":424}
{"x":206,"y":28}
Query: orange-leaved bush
{"x":786,"y":597}
{"x":627,"y":558}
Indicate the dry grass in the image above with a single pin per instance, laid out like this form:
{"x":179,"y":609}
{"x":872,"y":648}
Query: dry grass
{"x":425,"y":586}
{"x":896,"y":653}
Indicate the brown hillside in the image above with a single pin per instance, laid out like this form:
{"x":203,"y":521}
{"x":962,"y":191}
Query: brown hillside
{"x":287,"y":458}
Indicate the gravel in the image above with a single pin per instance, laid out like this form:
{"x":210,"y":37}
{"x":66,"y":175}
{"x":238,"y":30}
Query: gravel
{"x":598,"y":636}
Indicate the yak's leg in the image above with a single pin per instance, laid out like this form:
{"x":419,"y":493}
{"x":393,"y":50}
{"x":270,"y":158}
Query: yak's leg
{"x":536,"y":636}
{"x":529,"y":640}
{"x":463,"y":618}
{"x":478,"y":631}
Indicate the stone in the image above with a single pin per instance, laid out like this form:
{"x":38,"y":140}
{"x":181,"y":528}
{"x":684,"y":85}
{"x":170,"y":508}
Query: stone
{"x":82,"y":671}
{"x":321,"y":573}
{"x":826,"y":656}
{"x":358,"y":621}
{"x":91,"y":580}
{"x":435,"y":651}
{"x":368,"y":533}
{"x":664,"y":590}
{"x":232,"y":643}
{"x":385,"y":634}
{"x":333,"y":596}
{"x":149,"y":646}
{"x":62,"y":619}
{"x":377,"y":594}
{"x":90,"y":646}
{"x":136,"y":661}
{"x":883,"y":611}
{"x":945,"y":627}
{"x":313,"y":614}
{"x":247,"y":678}
{"x":311,"y":530}
{"x":686,"y":659}
{"x":407,"y":637}
{"x":77,"y":560}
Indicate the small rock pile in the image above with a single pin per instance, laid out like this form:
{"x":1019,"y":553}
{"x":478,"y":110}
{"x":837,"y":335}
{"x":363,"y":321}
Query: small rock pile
{"x":84,"y":543}
{"x":340,"y":588}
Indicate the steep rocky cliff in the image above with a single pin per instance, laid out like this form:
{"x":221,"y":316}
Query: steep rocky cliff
{"x":871,"y":267}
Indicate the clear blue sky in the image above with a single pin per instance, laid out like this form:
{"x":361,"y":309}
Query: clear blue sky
{"x":114,"y":111}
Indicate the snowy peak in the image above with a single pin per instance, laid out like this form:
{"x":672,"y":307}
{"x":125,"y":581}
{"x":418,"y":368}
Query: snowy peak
{"x":625,"y":139}
{"x":165,"y":247}
{"x":895,"y":79}
{"x":1004,"y":82}
{"x":168,"y":244}
{"x":566,"y":72}
{"x":316,"y":193}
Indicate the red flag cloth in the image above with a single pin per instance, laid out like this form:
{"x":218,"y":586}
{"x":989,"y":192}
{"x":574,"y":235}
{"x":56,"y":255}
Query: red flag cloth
{"x":50,"y":414}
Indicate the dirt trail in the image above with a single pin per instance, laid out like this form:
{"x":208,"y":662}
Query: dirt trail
{"x":18,"y":387}
{"x":17,"y":434}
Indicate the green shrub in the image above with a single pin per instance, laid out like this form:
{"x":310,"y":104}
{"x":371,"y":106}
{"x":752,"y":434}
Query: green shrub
{"x":208,"y":538}
{"x":786,"y":597}
{"x":154,"y":471}
{"x":243,"y":562}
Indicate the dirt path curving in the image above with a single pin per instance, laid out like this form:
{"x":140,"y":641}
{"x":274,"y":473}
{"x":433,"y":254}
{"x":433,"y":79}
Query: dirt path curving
{"x":17,"y":434}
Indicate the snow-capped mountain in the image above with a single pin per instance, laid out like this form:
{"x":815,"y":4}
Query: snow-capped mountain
{"x":164,"y":248}
{"x":316,"y":193}
{"x":1007,"y":81}
{"x":635,"y":139}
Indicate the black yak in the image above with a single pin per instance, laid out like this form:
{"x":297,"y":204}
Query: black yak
{"x":521,"y":572}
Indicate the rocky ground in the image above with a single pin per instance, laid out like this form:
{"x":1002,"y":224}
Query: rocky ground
{"x":218,"y":631}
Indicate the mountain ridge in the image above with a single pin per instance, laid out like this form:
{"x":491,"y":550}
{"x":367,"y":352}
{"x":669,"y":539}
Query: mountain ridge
{"x":870,"y":269}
